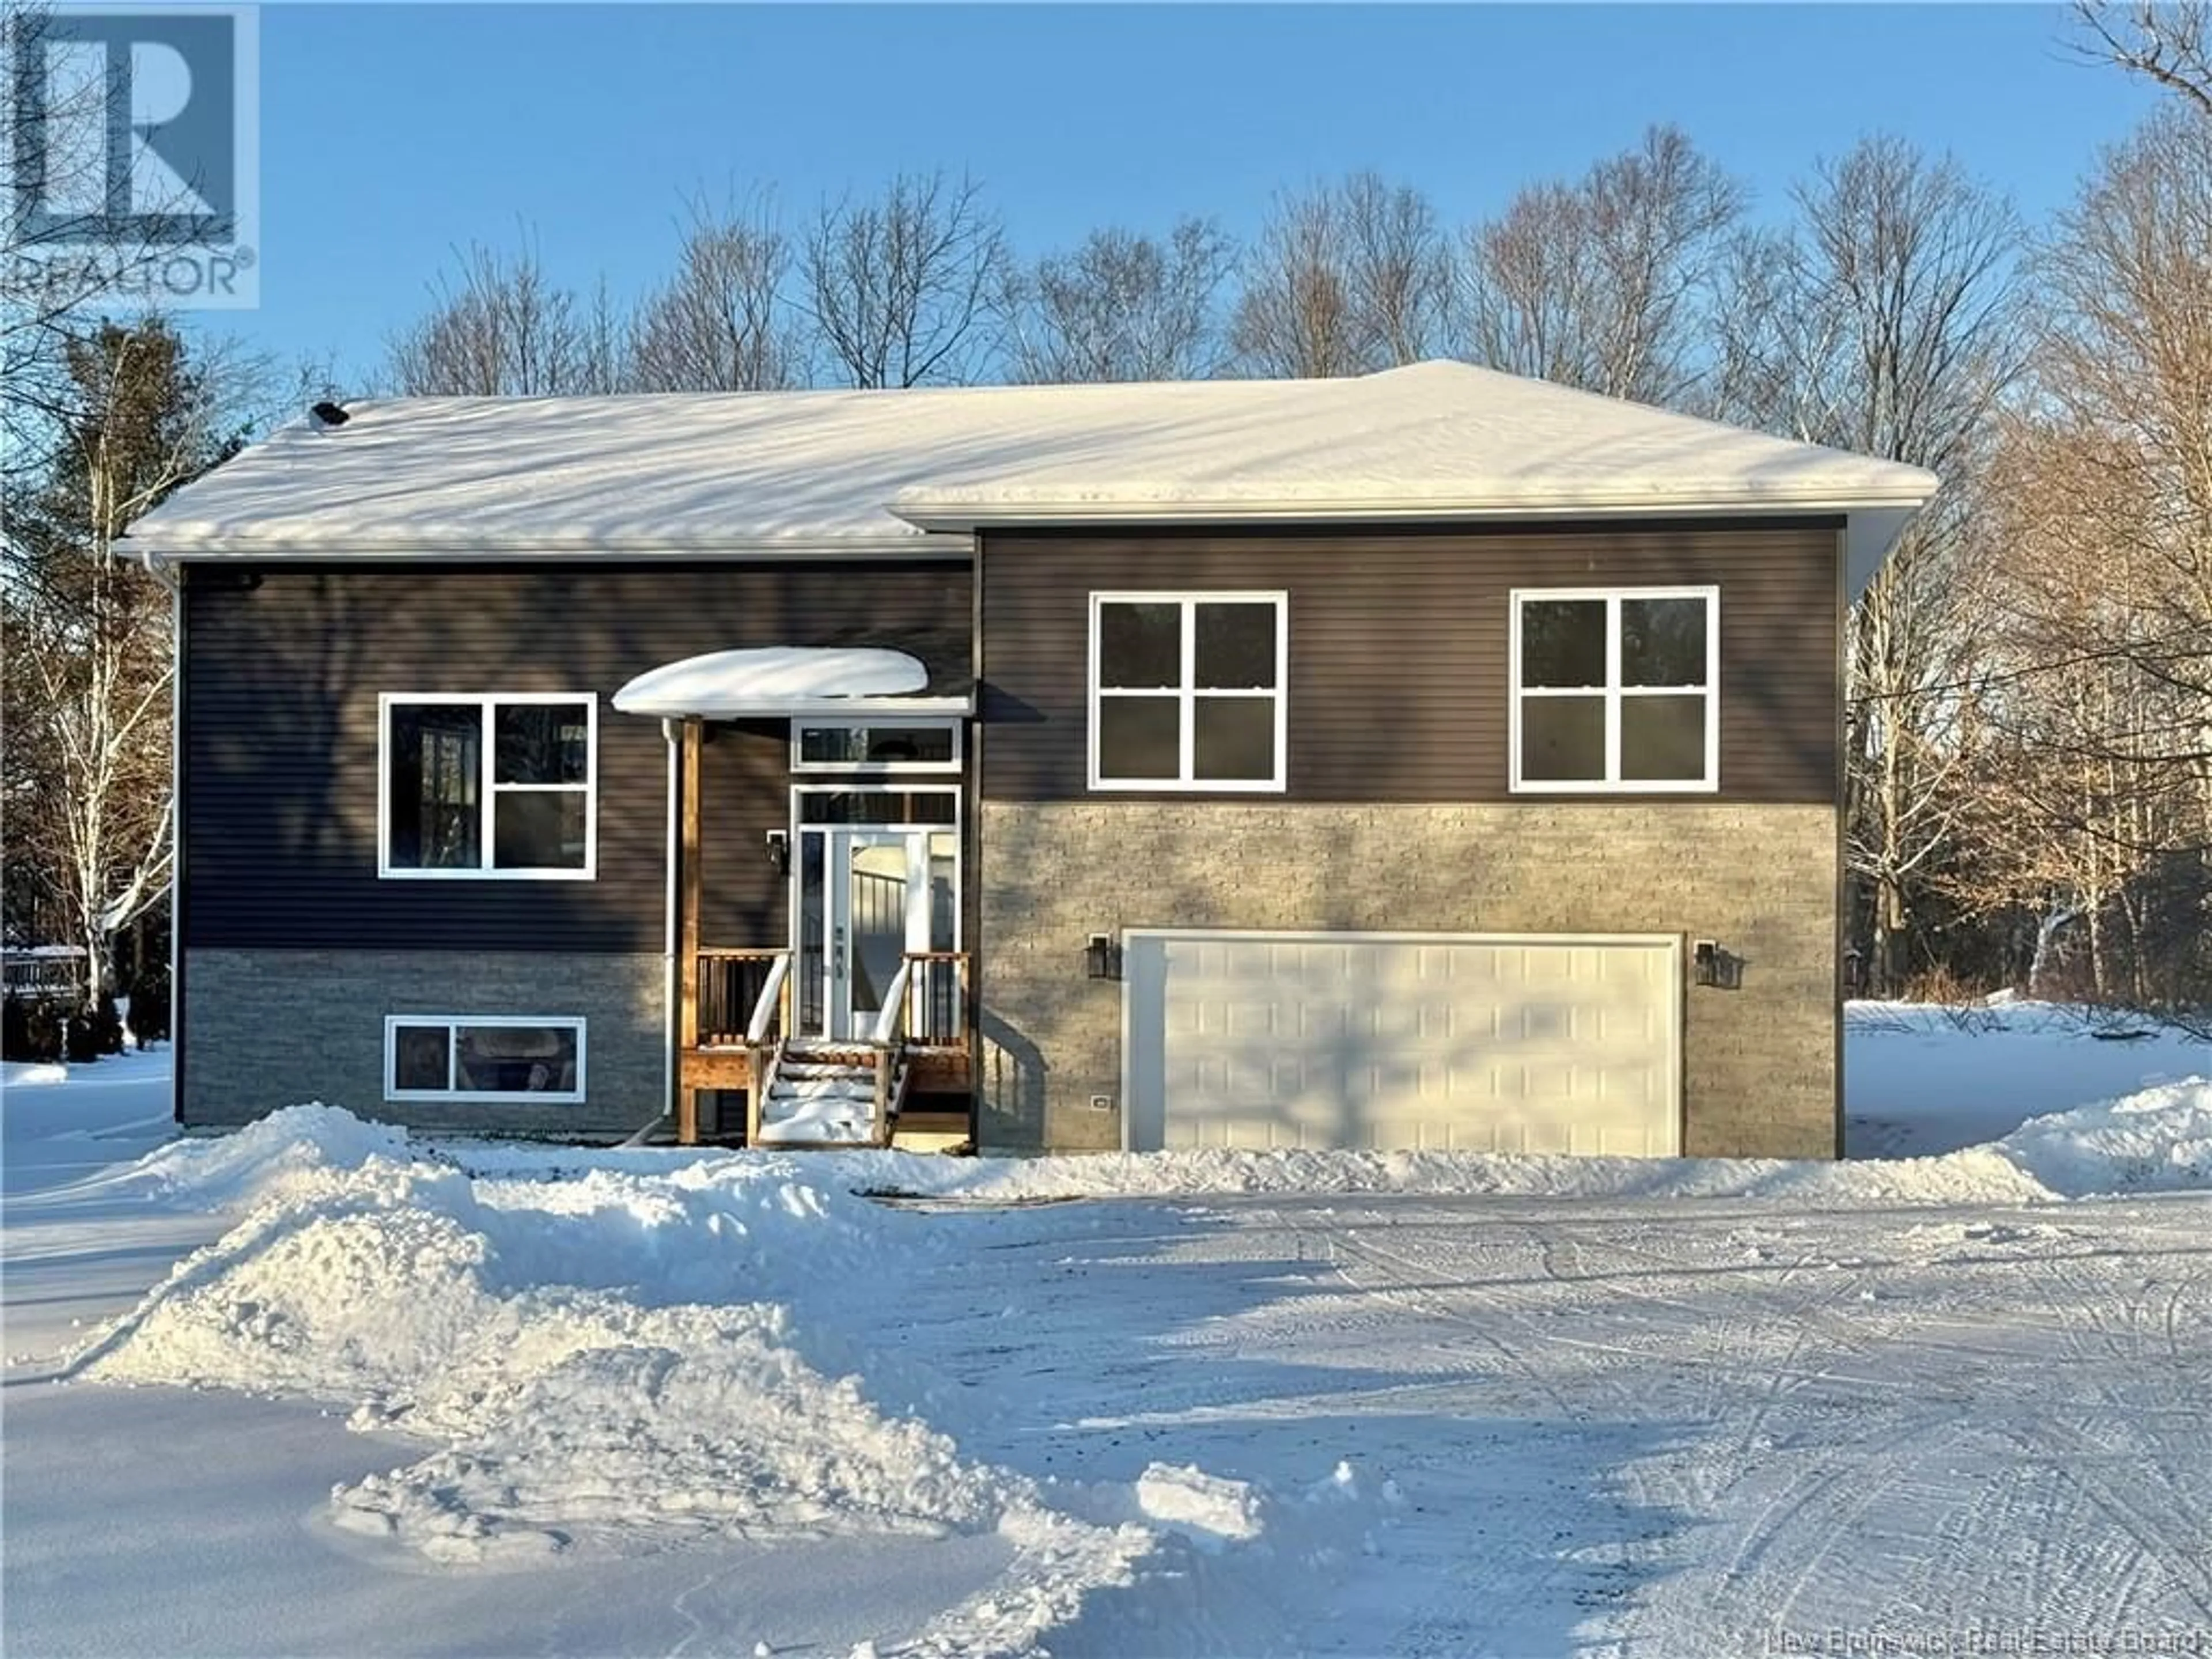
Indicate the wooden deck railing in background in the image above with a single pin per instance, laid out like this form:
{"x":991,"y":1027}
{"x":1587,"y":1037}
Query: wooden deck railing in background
{"x":729,"y":986}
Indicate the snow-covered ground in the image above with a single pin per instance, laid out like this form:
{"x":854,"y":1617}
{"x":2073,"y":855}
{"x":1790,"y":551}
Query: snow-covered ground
{"x":411,"y":1397}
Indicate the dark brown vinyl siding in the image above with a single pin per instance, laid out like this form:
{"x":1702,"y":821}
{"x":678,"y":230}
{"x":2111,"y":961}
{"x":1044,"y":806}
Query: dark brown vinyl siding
{"x":1397,"y":646}
{"x":744,"y":792}
{"x":284,"y":671}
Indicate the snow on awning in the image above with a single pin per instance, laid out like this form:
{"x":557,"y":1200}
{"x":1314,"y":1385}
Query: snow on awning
{"x":786,"y":679}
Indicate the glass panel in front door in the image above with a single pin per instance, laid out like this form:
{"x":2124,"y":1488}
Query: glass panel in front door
{"x":877,"y":904}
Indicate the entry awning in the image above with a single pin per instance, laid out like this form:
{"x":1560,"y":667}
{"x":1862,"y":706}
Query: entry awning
{"x":781,"y":680}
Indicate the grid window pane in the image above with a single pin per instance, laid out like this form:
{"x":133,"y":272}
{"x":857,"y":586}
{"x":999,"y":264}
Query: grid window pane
{"x":539,"y":829}
{"x":1663,"y":739}
{"x":1663,"y":642}
{"x":541,"y":743}
{"x":1234,"y":739}
{"x":1562,"y":642}
{"x":1140,"y":646}
{"x":1236,"y":647}
{"x":1139,"y":738}
{"x":419,"y":1058}
{"x":1563,"y":740}
{"x":436,"y":761}
{"x":517,"y":1059}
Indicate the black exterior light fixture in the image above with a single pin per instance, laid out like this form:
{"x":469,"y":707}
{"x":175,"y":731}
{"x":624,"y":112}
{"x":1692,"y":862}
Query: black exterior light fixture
{"x":1711,"y":965}
{"x":1101,"y":958}
{"x":779,"y":851}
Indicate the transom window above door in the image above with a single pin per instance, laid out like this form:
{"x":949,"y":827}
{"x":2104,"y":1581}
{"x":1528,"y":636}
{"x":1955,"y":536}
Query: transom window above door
{"x":487,"y":786}
{"x":1187,"y":691}
{"x":867,"y":748}
{"x":1616,"y":690}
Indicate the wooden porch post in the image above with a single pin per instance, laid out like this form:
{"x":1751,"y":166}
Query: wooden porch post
{"x":687,"y":1096}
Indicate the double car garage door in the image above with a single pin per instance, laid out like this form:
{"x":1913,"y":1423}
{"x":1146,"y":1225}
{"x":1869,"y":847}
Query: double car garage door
{"x":1453,"y":1041}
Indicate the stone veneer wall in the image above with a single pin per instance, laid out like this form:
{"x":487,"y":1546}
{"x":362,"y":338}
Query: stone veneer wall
{"x":1760,"y":1062}
{"x":267,"y":1028}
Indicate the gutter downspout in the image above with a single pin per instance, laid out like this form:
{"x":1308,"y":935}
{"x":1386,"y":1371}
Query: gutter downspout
{"x":672,"y":731}
{"x":170,"y":580}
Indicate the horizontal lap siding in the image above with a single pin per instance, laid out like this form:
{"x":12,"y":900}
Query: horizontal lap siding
{"x":1397,"y":646}
{"x":281,"y":691}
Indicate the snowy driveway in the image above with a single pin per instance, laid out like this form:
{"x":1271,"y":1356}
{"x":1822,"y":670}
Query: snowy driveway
{"x":475,"y":1399}
{"x":1651,"y":1427}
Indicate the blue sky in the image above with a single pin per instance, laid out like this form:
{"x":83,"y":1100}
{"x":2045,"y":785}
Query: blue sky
{"x":391,"y":135}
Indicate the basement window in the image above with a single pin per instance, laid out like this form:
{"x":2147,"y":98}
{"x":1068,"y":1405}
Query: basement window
{"x":488,"y":786}
{"x":1186,"y":691}
{"x":437,"y":1057}
{"x":1616,"y":691}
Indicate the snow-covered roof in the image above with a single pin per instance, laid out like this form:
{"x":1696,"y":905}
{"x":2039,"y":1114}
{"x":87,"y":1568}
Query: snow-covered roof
{"x":785,"y":679}
{"x":879,"y":472}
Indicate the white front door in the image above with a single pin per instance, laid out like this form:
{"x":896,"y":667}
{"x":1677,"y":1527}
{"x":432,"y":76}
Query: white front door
{"x":866,"y":899}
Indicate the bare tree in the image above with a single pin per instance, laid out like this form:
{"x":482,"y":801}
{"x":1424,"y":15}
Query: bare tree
{"x":1122,"y":306}
{"x":1891,"y":321}
{"x":902,"y":289}
{"x":502,"y":327}
{"x":2101,"y":541}
{"x":2168,"y":42}
{"x":1345,"y":279}
{"x":1606,"y":283}
{"x":721,"y":323}
{"x":87,"y":671}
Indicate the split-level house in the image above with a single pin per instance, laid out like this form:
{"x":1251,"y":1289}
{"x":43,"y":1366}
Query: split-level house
{"x":1431,"y":759}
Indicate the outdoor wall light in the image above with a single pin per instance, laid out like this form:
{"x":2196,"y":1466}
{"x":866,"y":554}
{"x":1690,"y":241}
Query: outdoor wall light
{"x":779,"y":851}
{"x":1713,"y":966}
{"x":1101,"y":958}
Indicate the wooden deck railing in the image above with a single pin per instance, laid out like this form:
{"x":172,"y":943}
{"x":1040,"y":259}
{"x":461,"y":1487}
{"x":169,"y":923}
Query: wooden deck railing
{"x":729,"y":986}
{"x":937,"y":998}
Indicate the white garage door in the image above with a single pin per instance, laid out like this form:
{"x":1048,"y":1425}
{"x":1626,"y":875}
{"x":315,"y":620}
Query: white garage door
{"x":1462,"y":1043}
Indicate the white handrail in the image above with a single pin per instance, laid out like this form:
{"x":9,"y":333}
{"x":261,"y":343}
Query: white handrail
{"x":765,"y":1008}
{"x":893,"y":1015}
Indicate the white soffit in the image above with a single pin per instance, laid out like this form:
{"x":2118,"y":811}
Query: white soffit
{"x":785,"y":679}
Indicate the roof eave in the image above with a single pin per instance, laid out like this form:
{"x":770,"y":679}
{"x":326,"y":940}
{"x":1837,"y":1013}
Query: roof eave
{"x":912,"y":544}
{"x":943,"y":515}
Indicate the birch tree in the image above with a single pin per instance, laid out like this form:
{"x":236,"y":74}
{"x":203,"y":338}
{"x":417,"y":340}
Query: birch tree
{"x":87,"y":669}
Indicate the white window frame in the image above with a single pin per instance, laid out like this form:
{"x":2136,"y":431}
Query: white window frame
{"x":488,"y":702}
{"x":1186,"y":692}
{"x":455,"y":1024}
{"x":801,"y":768}
{"x":1614,"y":694}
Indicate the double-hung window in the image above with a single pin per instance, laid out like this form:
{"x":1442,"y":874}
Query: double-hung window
{"x":492,"y":786}
{"x":1616,"y":690}
{"x":1187,"y":691}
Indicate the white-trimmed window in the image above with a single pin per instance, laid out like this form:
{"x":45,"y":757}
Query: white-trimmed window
{"x":468,"y":1057}
{"x":488,"y":786}
{"x":1187,"y":691}
{"x":1616,"y":690}
{"x":871,"y":748}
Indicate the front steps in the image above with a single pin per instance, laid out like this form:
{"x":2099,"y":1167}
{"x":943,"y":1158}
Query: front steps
{"x":825,"y":1096}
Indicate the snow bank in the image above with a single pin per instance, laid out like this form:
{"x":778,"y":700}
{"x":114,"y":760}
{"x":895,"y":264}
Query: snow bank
{"x":617,"y":1359}
{"x":2158,"y":1141}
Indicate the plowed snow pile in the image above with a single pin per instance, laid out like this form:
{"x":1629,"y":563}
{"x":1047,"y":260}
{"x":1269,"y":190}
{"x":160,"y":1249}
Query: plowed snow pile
{"x":635,"y":1350}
